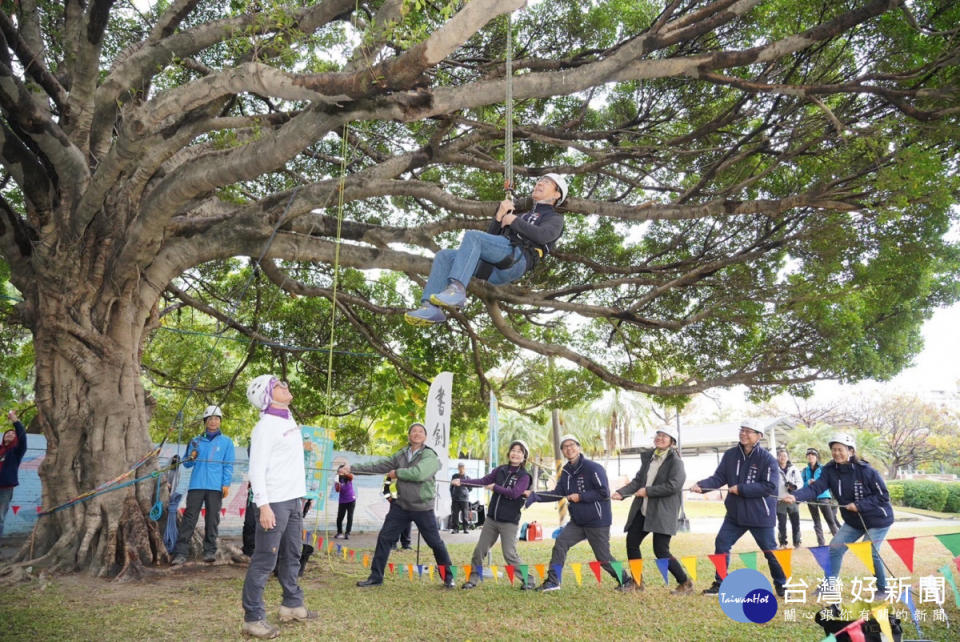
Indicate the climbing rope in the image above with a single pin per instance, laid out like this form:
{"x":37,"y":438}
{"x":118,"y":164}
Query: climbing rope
{"x":508,"y":185}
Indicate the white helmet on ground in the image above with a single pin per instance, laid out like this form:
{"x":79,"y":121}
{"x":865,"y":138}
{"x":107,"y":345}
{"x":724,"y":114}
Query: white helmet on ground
{"x":212,"y":411}
{"x":523,"y":446}
{"x":669,"y":431}
{"x":561,"y":185}
{"x":259,"y":391}
{"x":569,"y":437}
{"x":843,"y":438}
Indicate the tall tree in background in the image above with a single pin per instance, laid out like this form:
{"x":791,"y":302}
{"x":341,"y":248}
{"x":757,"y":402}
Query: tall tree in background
{"x":760,"y":193}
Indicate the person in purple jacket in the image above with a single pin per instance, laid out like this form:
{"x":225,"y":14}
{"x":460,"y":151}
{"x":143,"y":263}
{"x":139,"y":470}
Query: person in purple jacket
{"x":348,"y":501}
{"x":12,"y":448}
{"x":508,"y":483}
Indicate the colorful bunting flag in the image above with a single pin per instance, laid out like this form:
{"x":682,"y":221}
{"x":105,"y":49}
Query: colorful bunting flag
{"x":880,"y":615}
{"x":908,"y":598}
{"x":720,"y":563}
{"x":854,"y":630}
{"x":453,"y":572}
{"x":948,"y":575}
{"x":242,"y":511}
{"x":203,"y":512}
{"x":353,"y":554}
{"x":663,"y":565}
{"x":329,"y":547}
{"x":303,"y":536}
{"x":182,"y":511}
{"x":595,"y":567}
{"x":509,"y":569}
{"x":636,"y":570}
{"x":16,"y":509}
{"x":956,"y":560}
{"x":830,"y":638}
{"x":410,"y":571}
{"x":390,"y":565}
{"x":863,"y":552}
{"x":785,"y":557}
{"x":822,"y":555}
{"x":618,"y":569}
{"x":39,"y":509}
{"x":493,"y":571}
{"x":952,"y":542}
{"x":523,"y":568}
{"x":749,"y":559}
{"x":467,"y":569}
{"x":903,"y":546}
{"x":576,"y":573}
{"x":690,"y":563}
{"x":541,"y":571}
{"x":223,"y":512}
{"x":420,"y":571}
{"x":430,"y":571}
{"x":443,"y":572}
{"x":558,"y":571}
{"x":366,"y":560}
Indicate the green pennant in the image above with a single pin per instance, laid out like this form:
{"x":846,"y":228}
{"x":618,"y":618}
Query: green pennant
{"x":952,"y":542}
{"x":618,"y":569}
{"x":523,"y":568}
{"x":452,"y":571}
{"x":749,"y":559}
{"x":948,"y":575}
{"x":829,"y":638}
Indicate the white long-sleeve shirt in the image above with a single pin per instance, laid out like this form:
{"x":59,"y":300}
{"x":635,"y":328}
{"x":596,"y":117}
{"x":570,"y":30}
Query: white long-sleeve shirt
{"x":276,"y":460}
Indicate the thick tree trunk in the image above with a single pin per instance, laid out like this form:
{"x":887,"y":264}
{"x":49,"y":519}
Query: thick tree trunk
{"x":91,"y":408}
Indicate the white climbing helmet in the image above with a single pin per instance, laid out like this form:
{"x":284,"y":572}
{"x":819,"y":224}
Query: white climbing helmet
{"x":523,"y":446}
{"x":212,"y":411}
{"x":669,"y":431}
{"x":569,"y":437}
{"x":258,"y":391}
{"x":561,"y":185}
{"x":843,"y":438}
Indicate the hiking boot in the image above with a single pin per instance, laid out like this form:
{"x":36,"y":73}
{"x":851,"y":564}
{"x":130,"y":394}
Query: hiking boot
{"x":629,"y":586}
{"x":296,"y":613}
{"x":368,"y":582}
{"x":686,"y":587}
{"x":549,"y":585}
{"x":468,"y":585}
{"x":209,"y":557}
{"x":454,"y":296}
{"x":781,"y":591}
{"x":450,"y":582}
{"x":714,"y":589}
{"x":338,"y":536}
{"x":260,"y":629}
{"x":178,"y":560}
{"x":425,"y":315}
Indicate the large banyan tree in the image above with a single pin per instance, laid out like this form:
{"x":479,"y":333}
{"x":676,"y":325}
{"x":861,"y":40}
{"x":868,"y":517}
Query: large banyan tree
{"x":761,"y":191}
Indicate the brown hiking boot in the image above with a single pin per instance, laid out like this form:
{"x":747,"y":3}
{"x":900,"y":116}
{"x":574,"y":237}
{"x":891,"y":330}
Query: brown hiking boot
{"x":298,"y":613}
{"x":260,"y":629}
{"x":686,"y":587}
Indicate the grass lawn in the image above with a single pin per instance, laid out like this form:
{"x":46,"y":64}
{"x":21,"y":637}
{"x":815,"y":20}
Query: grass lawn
{"x":201,"y":602}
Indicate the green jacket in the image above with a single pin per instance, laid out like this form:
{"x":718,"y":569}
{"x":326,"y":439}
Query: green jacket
{"x":416,"y":487}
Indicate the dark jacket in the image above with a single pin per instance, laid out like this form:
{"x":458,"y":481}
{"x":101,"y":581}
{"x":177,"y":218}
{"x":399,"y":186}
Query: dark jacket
{"x":416,"y":487}
{"x":858,"y":483}
{"x":459,"y":493}
{"x":509,"y":482}
{"x":589,"y":480}
{"x":664,"y":492}
{"x":756,"y":477}
{"x":538,"y":229}
{"x":10,"y":460}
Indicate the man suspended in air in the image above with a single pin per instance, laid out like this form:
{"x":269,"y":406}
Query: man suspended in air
{"x":511,"y":246}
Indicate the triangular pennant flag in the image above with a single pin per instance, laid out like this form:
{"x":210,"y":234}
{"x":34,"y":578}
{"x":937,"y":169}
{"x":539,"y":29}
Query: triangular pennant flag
{"x":319,"y":541}
{"x":16,"y":509}
{"x":855,"y":631}
{"x":478,"y":573}
{"x":39,"y":509}
{"x":366,"y":560}
{"x":443,"y":572}
{"x":509,"y":569}
{"x":303,"y":535}
{"x":822,"y":555}
{"x":453,"y":572}
{"x":541,"y":571}
{"x":329,"y":546}
{"x":720,"y":563}
{"x":242,"y":511}
{"x":618,"y":569}
{"x":558,"y":571}
{"x":749,"y":559}
{"x":636,"y":570}
{"x":908,"y":598}
{"x":430,"y":571}
{"x":182,"y":511}
{"x":863,"y":553}
{"x":223,"y":511}
{"x":903,"y":546}
{"x":203,"y":512}
{"x":595,"y":567}
{"x":785,"y":557}
{"x":420,"y":570}
{"x":353,"y":554}
{"x":690,"y":563}
{"x":344,"y":553}
{"x":523,"y":568}
{"x":663,"y":565}
{"x":467,"y":569}
{"x":947,"y":575}
{"x":952,"y":542}
{"x":829,"y":638}
{"x":410,"y":571}
{"x":576,"y":573}
{"x":391,"y":567}
{"x":493,"y":571}
{"x":880,"y":615}
{"x":956,"y":560}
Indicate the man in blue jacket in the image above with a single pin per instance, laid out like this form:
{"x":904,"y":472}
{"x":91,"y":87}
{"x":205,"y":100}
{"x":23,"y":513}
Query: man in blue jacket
{"x":584,"y":484}
{"x":13,"y":445}
{"x":752,"y":477}
{"x":211,"y":457}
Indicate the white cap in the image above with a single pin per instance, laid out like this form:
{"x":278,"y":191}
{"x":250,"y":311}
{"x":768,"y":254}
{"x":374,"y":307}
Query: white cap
{"x":843,"y":438}
{"x":569,"y":437}
{"x":752,"y":425}
{"x":258,"y":391}
{"x":212,"y":411}
{"x":523,"y":445}
{"x":670,"y":431}
{"x":561,"y":185}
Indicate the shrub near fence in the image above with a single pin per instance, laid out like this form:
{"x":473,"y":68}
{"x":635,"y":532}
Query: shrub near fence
{"x":895,"y":488}
{"x":953,"y":498}
{"x":928,"y":495}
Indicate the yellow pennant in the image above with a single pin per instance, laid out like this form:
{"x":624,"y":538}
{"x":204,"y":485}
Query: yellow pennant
{"x":880,"y":614}
{"x":493,"y":569}
{"x":785,"y":557}
{"x":864,"y":554}
{"x":541,"y":569}
{"x":410,"y":571}
{"x":344,"y":551}
{"x":366,"y":560}
{"x":430,"y":571}
{"x":576,"y":573}
{"x":636,"y":570}
{"x":690,"y":563}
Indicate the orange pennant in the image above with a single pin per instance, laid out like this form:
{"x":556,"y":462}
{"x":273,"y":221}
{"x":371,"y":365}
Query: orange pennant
{"x":636,"y":570}
{"x":366,"y":560}
{"x":467,"y":569}
{"x":785,"y":557}
{"x":410,"y":571}
{"x":540,"y":568}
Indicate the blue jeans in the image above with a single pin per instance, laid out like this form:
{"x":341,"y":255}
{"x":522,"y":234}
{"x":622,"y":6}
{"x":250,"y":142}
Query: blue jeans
{"x":730,"y":532}
{"x":396,"y":522}
{"x":460,"y":264}
{"x":848,"y":535}
{"x":6,"y":496}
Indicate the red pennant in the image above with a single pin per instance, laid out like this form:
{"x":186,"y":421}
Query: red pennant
{"x":39,"y":509}
{"x":903,"y":547}
{"x":956,"y":561}
{"x":319,"y":542}
{"x":15,"y":509}
{"x":203,"y":512}
{"x":855,"y":631}
{"x":242,"y":511}
{"x":595,"y":567}
{"x":182,"y":511}
{"x":509,"y":568}
{"x":720,"y":563}
{"x":391,"y":567}
{"x":443,"y":571}
{"x":223,"y":511}
{"x":353,"y":553}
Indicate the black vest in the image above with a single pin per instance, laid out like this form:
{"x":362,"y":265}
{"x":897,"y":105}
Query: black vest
{"x":501,"y":508}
